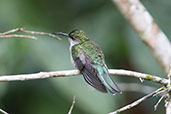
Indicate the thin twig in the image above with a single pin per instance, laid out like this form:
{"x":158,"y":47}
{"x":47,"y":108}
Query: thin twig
{"x":66,"y":73}
{"x":3,"y":112}
{"x":161,"y":98}
{"x":137,"y":102}
{"x":72,"y":106}
{"x":39,"y":33}
{"x":10,"y":31}
{"x":165,"y":92}
{"x":10,"y":34}
{"x":18,"y":36}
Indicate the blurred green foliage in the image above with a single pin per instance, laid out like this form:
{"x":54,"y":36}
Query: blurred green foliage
{"x":104,"y":24}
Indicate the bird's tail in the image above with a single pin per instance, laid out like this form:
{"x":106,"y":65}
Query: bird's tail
{"x":106,"y":79}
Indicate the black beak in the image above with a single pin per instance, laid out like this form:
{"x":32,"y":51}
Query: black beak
{"x":61,"y":33}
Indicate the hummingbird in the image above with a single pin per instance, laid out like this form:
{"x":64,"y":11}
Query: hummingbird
{"x":88,"y":58}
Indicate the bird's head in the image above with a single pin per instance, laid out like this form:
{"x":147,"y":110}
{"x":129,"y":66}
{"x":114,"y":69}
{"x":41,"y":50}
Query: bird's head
{"x":75,"y":37}
{"x":78,"y":35}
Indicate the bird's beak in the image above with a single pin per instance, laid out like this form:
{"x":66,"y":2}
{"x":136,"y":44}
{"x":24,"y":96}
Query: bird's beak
{"x":61,"y":33}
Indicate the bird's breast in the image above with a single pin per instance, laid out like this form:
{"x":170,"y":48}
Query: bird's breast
{"x":71,"y":58}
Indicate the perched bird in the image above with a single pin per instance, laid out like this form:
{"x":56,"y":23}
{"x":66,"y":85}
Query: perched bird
{"x":88,"y":58}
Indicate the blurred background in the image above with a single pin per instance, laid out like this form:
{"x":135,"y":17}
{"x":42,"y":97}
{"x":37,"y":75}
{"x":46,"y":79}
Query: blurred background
{"x":104,"y":24}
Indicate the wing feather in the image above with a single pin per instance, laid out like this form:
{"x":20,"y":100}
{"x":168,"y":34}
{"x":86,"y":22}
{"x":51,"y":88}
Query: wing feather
{"x":93,"y":68}
{"x":90,"y":75}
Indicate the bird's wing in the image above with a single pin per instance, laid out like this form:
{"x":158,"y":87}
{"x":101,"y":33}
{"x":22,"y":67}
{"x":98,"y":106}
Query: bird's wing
{"x":93,"y":68}
{"x":89,"y":74}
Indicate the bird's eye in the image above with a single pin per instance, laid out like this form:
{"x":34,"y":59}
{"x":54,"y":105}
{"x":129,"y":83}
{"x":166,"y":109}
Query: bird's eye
{"x":72,"y":37}
{"x":75,"y":38}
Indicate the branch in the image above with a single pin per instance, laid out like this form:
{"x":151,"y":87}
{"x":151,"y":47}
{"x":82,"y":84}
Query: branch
{"x":9,"y":34}
{"x":137,"y":102}
{"x":144,"y":25}
{"x":72,"y":106}
{"x":67,"y":73}
{"x":3,"y":112}
{"x":139,"y":75}
{"x":168,"y":97}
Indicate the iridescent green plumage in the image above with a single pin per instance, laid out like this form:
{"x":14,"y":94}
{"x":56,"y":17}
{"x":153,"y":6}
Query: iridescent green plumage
{"x":91,"y":58}
{"x":88,"y":58}
{"x":94,"y":53}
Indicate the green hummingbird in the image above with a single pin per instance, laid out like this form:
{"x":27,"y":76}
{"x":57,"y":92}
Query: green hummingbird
{"x":88,"y":58}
